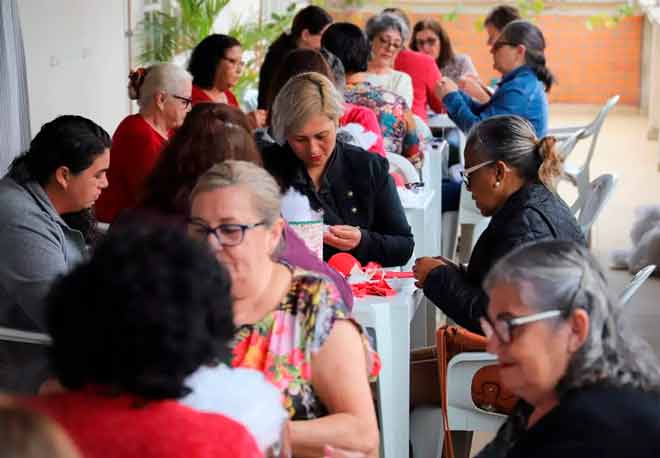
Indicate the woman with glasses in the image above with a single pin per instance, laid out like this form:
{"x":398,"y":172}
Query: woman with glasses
{"x":519,"y":55}
{"x":387,"y":33}
{"x":589,"y":386}
{"x":291,"y":324}
{"x":163,"y":94}
{"x":511,"y":174}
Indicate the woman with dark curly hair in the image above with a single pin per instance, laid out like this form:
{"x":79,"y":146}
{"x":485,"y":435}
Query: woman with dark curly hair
{"x":46,"y":220}
{"x":128,"y":326}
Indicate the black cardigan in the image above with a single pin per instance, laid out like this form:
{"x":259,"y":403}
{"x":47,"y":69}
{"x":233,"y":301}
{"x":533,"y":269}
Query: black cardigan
{"x":595,"y":422}
{"x":356,"y":189}
{"x":533,"y":213}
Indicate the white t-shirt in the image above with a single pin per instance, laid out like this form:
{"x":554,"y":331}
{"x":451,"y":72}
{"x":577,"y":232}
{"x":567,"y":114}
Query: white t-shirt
{"x":395,"y":81}
{"x":243,"y":395}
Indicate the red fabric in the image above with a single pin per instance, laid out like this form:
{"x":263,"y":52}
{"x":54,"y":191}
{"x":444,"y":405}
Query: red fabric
{"x":366,"y":118}
{"x":124,"y":427}
{"x":199,"y":96}
{"x":136,"y":147}
{"x":376,"y":286}
{"x":424,"y":74}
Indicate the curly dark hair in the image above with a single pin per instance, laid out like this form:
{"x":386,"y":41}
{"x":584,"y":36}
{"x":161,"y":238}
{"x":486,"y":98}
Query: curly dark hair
{"x":349,"y":43}
{"x":211,"y":133}
{"x":144,"y":312}
{"x":206,"y":57}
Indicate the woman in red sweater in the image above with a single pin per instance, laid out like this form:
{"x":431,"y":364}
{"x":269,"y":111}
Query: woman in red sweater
{"x":163,"y":93}
{"x":128,"y":327}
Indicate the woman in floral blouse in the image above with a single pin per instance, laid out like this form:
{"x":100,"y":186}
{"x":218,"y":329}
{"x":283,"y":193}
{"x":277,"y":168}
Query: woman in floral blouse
{"x":291,"y":324}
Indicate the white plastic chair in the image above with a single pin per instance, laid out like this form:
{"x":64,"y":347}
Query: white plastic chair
{"x":637,"y":281}
{"x":599,"y":193}
{"x":402,"y":165}
{"x":578,"y":174}
{"x":29,"y":337}
{"x":376,"y":318}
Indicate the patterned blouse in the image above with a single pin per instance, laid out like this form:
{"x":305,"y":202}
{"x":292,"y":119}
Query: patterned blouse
{"x":394,"y":117}
{"x":282,"y":343}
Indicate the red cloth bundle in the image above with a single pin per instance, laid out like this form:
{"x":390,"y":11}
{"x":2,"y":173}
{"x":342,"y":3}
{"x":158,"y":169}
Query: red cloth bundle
{"x":368,"y":280}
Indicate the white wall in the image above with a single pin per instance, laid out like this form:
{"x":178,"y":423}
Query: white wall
{"x":77,"y":59}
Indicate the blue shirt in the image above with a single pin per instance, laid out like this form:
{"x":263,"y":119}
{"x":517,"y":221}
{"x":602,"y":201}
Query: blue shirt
{"x":519,"y":93}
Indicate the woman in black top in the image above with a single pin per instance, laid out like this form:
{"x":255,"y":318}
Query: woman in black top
{"x":511,"y":175}
{"x":589,"y":387}
{"x":352,"y":187}
{"x":306,"y":30}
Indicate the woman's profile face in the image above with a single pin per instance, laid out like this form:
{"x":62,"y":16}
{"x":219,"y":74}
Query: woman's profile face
{"x":229,"y":69}
{"x":85,"y":188}
{"x":482,"y":184}
{"x":177,"y":106}
{"x":315,"y":141}
{"x":427,"y":42}
{"x":385,"y":47}
{"x":538,"y":355}
{"x":234,"y":205}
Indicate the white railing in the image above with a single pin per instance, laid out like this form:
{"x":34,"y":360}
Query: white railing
{"x":652,"y":10}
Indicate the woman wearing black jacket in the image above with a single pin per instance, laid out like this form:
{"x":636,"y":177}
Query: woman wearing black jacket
{"x":352,"y":187}
{"x":511,"y":174}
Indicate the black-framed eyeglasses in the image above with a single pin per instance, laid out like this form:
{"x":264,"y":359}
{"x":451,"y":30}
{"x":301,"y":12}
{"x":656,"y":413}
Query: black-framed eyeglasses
{"x":421,"y":42}
{"x":187,"y":101}
{"x":498,"y":44}
{"x":502,"y":327}
{"x":390,"y":44}
{"x":226,"y":234}
{"x":465,"y":174}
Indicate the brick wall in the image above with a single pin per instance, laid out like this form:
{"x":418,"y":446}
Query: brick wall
{"x":590,"y":66}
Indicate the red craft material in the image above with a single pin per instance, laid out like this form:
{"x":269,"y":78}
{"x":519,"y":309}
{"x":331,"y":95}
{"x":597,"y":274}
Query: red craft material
{"x":344,"y":263}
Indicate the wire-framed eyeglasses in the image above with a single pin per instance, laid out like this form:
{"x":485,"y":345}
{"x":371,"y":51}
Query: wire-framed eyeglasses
{"x":227,"y":235}
{"x":502,"y":327}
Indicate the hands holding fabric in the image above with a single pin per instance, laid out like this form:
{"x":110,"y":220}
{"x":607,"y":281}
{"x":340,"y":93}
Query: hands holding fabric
{"x":342,"y":237}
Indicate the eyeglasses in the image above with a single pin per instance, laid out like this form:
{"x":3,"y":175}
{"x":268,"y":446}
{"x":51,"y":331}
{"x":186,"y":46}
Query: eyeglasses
{"x":502,"y":327}
{"x":234,"y":62}
{"x":390,"y":44}
{"x":187,"y":101}
{"x":498,"y":44}
{"x":420,"y":42}
{"x":226,"y":234}
{"x":465,"y":174}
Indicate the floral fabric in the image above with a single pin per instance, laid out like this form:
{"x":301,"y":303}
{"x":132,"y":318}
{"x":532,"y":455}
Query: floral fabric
{"x":394,"y":117}
{"x":282,"y":343}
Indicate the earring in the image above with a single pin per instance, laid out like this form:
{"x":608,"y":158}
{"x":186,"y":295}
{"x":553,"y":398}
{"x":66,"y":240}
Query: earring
{"x":497,"y":184}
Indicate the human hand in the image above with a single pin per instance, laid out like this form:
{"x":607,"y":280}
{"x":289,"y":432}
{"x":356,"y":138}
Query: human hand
{"x":257,"y":118}
{"x":342,"y":237}
{"x":472,"y":86}
{"x":422,"y":268}
{"x":334,"y":452}
{"x":445,"y":86}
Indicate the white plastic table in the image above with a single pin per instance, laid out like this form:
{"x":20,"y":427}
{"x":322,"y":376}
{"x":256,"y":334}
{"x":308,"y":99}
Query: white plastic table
{"x":393,"y":336}
{"x":423,"y":213}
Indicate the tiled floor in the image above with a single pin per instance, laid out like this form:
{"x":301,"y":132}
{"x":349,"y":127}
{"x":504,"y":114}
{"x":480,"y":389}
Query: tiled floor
{"x":624,"y":150}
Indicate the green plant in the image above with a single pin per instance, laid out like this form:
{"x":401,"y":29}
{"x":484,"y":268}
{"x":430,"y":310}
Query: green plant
{"x":610,"y":20}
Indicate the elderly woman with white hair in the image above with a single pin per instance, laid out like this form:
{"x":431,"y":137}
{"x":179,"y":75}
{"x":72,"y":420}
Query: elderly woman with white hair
{"x":163,"y":94}
{"x":387,"y":34}
{"x":589,"y":387}
{"x":352,"y":187}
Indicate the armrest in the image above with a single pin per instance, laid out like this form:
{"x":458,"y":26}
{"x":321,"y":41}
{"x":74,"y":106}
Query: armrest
{"x":16,"y":335}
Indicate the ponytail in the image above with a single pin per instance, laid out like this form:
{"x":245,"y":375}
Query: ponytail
{"x":525,"y":33}
{"x":551,"y":165}
{"x":536,"y":61}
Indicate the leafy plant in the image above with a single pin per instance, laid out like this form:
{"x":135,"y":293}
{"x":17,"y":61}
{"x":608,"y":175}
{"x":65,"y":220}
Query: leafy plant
{"x":610,"y":21}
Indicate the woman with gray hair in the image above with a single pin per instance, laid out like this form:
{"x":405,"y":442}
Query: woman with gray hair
{"x":589,"y":387}
{"x":511,"y":174}
{"x":163,"y":93}
{"x":292,"y":325}
{"x":352,"y":187}
{"x":387,"y":34}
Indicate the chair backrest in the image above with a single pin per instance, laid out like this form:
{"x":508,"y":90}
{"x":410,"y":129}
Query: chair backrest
{"x":29,"y":337}
{"x":600,"y":191}
{"x":567,"y":144}
{"x":637,"y":281}
{"x":402,"y":165}
{"x":593,"y":129}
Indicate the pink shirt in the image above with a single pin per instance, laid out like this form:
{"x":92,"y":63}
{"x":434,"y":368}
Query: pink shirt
{"x":424,"y":74}
{"x":367,"y":119}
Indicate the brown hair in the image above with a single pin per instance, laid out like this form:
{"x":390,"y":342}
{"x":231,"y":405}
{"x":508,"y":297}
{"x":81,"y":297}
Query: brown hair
{"x":501,"y":15}
{"x":211,"y":133}
{"x":27,"y":434}
{"x":446,"y":50}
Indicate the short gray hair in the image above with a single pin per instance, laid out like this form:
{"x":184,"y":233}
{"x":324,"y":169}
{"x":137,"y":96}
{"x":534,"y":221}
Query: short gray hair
{"x":564,"y":275}
{"x":168,"y":78}
{"x":263,"y":188}
{"x":302,"y":97}
{"x":386,"y":21}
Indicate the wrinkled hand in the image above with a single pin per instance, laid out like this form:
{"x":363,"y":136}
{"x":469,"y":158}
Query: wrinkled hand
{"x":472,"y":86}
{"x":445,"y":86}
{"x":342,"y":237}
{"x":422,"y":268}
{"x":257,"y":118}
{"x":334,"y":452}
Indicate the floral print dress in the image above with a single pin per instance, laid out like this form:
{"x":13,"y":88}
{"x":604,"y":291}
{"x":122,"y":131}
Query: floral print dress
{"x":282,"y":343}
